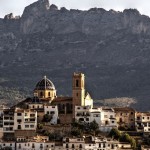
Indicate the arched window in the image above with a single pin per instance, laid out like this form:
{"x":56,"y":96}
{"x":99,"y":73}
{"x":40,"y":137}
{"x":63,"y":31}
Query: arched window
{"x":77,"y":83}
{"x":80,"y":146}
{"x":49,"y":94}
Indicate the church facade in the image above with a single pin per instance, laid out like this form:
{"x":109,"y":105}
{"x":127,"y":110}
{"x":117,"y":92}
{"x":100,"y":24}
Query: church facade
{"x":45,"y":92}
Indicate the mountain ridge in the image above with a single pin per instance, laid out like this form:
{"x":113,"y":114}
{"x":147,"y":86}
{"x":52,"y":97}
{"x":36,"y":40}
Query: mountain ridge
{"x":112,"y":49}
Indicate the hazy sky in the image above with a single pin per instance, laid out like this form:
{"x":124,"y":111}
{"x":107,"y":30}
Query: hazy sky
{"x":17,"y":6}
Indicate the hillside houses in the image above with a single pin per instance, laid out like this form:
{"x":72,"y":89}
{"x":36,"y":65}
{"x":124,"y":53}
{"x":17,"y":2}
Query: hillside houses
{"x":32,"y":122}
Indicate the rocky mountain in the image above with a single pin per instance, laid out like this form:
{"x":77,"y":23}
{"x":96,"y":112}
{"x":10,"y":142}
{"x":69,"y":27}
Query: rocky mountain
{"x":112,"y":48}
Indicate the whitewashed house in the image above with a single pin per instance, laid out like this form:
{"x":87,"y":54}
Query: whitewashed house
{"x":25,"y":119}
{"x":108,"y":120}
{"x":4,"y":144}
{"x":53,"y":112}
{"x":8,"y":121}
{"x":105,"y":117}
{"x":73,"y":143}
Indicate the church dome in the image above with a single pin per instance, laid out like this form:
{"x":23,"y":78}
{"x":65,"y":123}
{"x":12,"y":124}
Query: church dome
{"x":45,"y":84}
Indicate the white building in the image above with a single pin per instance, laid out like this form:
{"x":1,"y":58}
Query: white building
{"x":8,"y":121}
{"x":25,"y":119}
{"x":35,"y":143}
{"x":73,"y":143}
{"x":108,"y":120}
{"x":93,"y":143}
{"x":143,"y":121}
{"x":53,"y":112}
{"x":7,"y":145}
{"x":88,"y":100}
{"x":105,"y":117}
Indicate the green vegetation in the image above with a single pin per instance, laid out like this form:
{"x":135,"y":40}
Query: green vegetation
{"x":47,"y":118}
{"x":79,"y":128}
{"x":115,"y":133}
{"x":40,"y":126}
{"x":122,"y":137}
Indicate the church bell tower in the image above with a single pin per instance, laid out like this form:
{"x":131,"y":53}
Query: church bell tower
{"x":78,"y":89}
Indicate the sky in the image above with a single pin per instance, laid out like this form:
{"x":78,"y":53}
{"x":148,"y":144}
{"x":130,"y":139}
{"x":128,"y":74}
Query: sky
{"x":17,"y":6}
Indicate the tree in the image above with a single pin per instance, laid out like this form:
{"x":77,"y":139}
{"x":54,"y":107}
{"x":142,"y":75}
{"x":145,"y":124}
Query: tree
{"x":47,"y":118}
{"x":125,"y":138}
{"x":40,"y":126}
{"x":132,"y":142}
{"x":76,"y":132}
{"x":94,"y":126}
{"x":115,"y":133}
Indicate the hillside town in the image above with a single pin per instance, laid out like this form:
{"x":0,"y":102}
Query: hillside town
{"x":51,"y":122}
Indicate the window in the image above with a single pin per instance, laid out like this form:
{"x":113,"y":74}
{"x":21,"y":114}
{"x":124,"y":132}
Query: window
{"x":32,"y":115}
{"x":48,"y":112}
{"x":104,"y":145}
{"x":80,"y":146}
{"x":111,"y":116}
{"x":18,"y":120}
{"x":32,"y":119}
{"x":41,"y":94}
{"x":26,"y":126}
{"x":67,"y":146}
{"x":113,"y":122}
{"x":77,"y":94}
{"x":19,"y":114}
{"x":120,"y":120}
{"x":52,"y":112}
{"x":77,"y":83}
{"x":31,"y":126}
{"x":106,"y":122}
{"x":33,"y":145}
{"x":49,"y":94}
{"x":105,"y":116}
{"x":87,"y":119}
{"x":19,"y":127}
{"x":63,"y":106}
{"x":26,"y":120}
{"x":81,"y":119}
{"x":72,"y":145}
{"x":41,"y":145}
{"x":19,"y":146}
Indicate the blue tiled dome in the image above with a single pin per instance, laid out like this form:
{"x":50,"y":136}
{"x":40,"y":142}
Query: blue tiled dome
{"x":45,"y":84}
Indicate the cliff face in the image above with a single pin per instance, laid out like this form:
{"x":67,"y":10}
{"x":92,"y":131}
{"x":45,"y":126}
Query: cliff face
{"x":110,"y":47}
